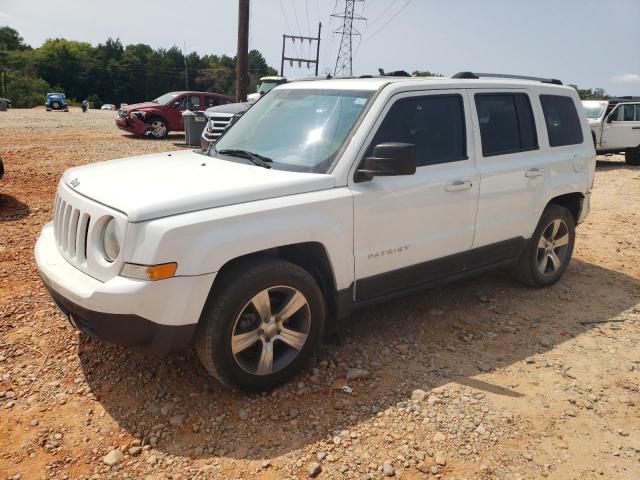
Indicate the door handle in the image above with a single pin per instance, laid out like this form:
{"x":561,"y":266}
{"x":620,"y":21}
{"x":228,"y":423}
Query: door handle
{"x":635,"y":128}
{"x":534,"y":172}
{"x":458,"y":185}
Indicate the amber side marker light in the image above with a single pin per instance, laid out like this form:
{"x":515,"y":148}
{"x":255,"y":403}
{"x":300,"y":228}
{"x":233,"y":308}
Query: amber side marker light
{"x":149,"y":272}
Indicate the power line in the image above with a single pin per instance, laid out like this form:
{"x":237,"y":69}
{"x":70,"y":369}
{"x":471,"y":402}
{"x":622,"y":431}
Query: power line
{"x":306,"y":7}
{"x":284,"y":14}
{"x":295,"y":15}
{"x":387,"y":22}
{"x":381,"y":15}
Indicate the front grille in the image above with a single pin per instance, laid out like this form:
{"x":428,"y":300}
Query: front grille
{"x":217,"y":125}
{"x":71,"y":227}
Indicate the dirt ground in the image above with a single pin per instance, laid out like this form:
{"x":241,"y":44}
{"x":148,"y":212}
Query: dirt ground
{"x":483,"y":378}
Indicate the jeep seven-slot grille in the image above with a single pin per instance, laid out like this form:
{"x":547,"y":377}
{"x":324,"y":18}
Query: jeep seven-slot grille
{"x":71,"y":227}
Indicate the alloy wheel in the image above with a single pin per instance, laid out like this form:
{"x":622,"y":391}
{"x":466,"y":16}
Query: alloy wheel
{"x":553,"y":247}
{"x":271,"y":330}
{"x":158,"y":128}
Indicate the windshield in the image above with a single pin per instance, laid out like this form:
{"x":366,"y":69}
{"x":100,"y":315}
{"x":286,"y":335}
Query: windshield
{"x":267,"y":86}
{"x":162,"y":99}
{"x":300,"y":130}
{"x":594,"y":109}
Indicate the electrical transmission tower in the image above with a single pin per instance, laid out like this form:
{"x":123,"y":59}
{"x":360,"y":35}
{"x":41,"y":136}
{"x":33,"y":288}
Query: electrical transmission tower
{"x":344,"y":62}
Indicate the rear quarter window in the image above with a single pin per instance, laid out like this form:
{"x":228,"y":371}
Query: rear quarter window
{"x":562,"y":120}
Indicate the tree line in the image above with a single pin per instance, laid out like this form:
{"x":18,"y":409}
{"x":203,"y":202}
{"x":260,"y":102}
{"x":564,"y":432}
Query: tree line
{"x":113,"y":73}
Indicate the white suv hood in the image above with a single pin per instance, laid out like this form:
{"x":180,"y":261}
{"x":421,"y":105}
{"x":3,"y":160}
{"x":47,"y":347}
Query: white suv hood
{"x":158,"y":185}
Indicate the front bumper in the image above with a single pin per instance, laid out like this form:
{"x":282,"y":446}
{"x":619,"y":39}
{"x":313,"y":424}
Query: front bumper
{"x":160,"y":316}
{"x":132,"y":124}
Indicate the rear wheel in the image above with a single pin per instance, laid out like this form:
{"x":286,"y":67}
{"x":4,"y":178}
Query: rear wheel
{"x":261,"y":324}
{"x":632,"y":156}
{"x":158,"y":127}
{"x":549,"y":251}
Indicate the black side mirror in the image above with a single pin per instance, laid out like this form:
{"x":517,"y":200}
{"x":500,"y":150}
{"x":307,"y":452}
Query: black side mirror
{"x":610,"y":118}
{"x":389,"y":159}
{"x":175,"y":105}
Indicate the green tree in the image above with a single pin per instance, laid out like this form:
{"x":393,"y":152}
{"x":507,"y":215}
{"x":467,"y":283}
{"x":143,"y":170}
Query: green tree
{"x":10,"y":39}
{"x":26,"y":92}
{"x":116,"y":73}
{"x":591,"y":94}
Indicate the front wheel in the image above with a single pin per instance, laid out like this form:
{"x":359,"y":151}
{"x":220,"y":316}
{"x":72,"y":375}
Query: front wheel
{"x":632,"y":157}
{"x":158,"y":128}
{"x":549,"y":250}
{"x":261,"y":324}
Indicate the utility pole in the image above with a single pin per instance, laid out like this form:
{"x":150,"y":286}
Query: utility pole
{"x":344,"y":62}
{"x":242,"y":63}
{"x":300,"y":61}
{"x":3,"y":73}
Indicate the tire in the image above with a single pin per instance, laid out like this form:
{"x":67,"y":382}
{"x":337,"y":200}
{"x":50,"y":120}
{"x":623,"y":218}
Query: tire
{"x":236,"y":308}
{"x":537,"y":255}
{"x":632,"y":157}
{"x":158,"y":128}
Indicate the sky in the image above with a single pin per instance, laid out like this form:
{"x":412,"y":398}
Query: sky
{"x":591,"y":43}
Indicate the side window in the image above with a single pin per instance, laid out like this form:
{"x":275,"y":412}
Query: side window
{"x":628,"y":113}
{"x":506,"y":123}
{"x":434,"y":124}
{"x":561,"y":117}
{"x":194,"y":102}
{"x":190,"y":102}
{"x":212,"y":101}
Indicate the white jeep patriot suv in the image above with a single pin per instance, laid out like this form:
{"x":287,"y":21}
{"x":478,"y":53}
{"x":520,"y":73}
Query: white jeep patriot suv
{"x":615,"y":126}
{"x":324,"y":197}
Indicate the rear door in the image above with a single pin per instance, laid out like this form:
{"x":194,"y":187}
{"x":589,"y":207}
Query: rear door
{"x":410,"y":230}
{"x":623,"y":129}
{"x":508,"y":160}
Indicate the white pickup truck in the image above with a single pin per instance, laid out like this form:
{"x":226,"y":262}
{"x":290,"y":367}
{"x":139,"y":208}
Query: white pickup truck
{"x":324,"y":197}
{"x":615,"y":126}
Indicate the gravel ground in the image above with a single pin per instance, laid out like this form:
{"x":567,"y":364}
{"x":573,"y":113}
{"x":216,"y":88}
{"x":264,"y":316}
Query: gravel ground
{"x":479,"y":379}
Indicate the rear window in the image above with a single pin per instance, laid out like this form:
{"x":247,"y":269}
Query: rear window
{"x":561,"y":117}
{"x":506,"y":123}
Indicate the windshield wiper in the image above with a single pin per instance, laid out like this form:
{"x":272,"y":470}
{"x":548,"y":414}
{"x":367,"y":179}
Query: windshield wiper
{"x":254,"y":158}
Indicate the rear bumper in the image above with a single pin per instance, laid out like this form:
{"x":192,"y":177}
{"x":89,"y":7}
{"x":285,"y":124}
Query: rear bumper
{"x":157,"y":316}
{"x":585,"y":207}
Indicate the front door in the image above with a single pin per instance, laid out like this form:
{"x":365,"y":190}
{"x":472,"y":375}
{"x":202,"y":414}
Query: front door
{"x":624,"y":129}
{"x":186,"y":102}
{"x":411,"y":230}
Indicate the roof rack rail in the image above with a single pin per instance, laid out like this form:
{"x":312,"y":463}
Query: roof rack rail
{"x":624,"y":98}
{"x":473,"y":75}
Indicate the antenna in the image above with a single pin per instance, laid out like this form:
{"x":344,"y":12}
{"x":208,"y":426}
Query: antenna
{"x":186,"y":70}
{"x":344,"y":62}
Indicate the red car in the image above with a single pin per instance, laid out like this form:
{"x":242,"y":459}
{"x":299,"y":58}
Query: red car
{"x":164,"y":114}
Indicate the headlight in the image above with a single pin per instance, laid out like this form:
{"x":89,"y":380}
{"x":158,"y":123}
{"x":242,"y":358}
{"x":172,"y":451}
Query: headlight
{"x":111,"y":241}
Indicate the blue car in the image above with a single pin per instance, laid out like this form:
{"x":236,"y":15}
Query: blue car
{"x":56,"y":101}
